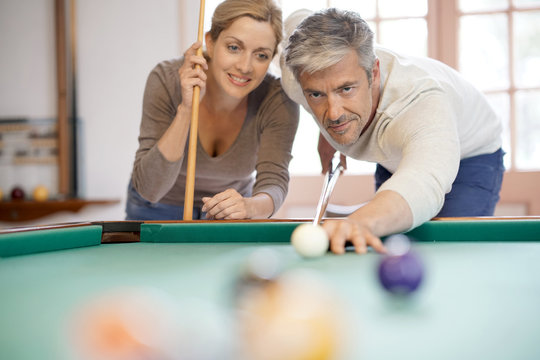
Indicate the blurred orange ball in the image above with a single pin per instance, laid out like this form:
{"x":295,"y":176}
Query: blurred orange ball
{"x":40,"y":193}
{"x":292,"y":318}
{"x":125,"y":324}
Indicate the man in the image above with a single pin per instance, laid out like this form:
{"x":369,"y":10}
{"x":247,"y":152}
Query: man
{"x":434,"y":137}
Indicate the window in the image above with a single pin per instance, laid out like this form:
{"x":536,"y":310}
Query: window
{"x":499,"y":51}
{"x":493,"y":43}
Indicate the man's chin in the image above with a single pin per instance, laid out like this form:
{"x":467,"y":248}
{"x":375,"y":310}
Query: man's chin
{"x":342,"y":139}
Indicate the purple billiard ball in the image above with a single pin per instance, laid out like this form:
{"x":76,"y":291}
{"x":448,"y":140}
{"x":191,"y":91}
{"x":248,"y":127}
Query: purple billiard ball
{"x":401,"y":274}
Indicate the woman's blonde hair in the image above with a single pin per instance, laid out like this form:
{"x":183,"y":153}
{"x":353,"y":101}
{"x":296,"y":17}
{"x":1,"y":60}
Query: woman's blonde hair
{"x":261,"y":10}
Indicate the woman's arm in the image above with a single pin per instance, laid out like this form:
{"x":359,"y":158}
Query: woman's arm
{"x":165,"y":124}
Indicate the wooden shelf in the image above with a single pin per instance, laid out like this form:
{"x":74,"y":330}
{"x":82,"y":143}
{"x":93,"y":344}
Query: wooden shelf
{"x":25,"y":210}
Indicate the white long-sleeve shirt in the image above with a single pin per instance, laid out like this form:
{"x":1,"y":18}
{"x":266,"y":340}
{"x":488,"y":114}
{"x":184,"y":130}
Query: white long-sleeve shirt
{"x":428,"y":118}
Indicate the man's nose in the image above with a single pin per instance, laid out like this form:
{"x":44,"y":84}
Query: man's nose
{"x":335,"y":107}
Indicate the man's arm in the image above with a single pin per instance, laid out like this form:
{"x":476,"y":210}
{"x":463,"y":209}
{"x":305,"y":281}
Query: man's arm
{"x":386,"y":214}
{"x":326,"y":153}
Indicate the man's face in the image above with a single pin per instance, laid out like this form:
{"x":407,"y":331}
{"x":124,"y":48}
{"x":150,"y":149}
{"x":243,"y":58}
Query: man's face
{"x":341,"y":98}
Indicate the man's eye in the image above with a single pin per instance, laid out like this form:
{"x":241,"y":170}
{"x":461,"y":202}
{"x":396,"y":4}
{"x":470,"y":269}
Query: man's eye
{"x":315,"y":95}
{"x":347,"y":89}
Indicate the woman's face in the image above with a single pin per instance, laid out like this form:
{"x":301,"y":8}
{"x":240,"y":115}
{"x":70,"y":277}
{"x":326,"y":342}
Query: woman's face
{"x":241,"y":55}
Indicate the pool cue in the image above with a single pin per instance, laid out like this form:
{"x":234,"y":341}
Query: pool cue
{"x":192,"y":149}
{"x":330,"y":180}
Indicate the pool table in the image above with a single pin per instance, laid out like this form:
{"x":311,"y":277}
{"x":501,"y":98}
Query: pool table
{"x":480,"y":298}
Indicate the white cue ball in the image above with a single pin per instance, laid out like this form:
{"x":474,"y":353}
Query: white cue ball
{"x":310,"y":240}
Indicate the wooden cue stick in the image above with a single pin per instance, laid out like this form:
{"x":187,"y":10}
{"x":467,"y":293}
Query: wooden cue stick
{"x":192,"y":149}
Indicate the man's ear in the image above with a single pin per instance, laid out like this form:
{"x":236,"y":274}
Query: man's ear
{"x":376,"y":72}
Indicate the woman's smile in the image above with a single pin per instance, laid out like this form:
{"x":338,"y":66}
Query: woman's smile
{"x":239,"y":80}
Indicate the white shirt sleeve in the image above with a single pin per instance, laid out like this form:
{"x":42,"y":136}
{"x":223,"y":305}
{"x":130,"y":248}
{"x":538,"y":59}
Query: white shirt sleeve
{"x":423,"y":152}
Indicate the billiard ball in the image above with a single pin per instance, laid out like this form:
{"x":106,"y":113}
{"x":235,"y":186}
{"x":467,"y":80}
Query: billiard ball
{"x":17,"y":193}
{"x":401,"y":271}
{"x":310,"y":240}
{"x":40,"y":193}
{"x":126,"y":323}
{"x":260,"y":268}
{"x":295,"y":317}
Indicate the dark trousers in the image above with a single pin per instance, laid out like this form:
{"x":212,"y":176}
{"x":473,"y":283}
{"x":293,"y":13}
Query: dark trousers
{"x":475,"y":191}
{"x":137,"y":208}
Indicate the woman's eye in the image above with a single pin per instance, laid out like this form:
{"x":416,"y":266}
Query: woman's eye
{"x":263,"y":56}
{"x":233,"y":48}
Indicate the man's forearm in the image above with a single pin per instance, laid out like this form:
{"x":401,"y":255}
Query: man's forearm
{"x":387,"y":213}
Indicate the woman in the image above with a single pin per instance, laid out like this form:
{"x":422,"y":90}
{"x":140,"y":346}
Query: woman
{"x":246,"y":123}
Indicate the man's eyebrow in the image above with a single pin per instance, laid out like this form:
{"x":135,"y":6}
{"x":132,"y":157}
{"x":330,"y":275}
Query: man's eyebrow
{"x":308,"y":90}
{"x":344,"y":85}
{"x":348,"y":84}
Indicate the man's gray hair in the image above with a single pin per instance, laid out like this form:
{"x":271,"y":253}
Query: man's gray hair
{"x":324,"y":38}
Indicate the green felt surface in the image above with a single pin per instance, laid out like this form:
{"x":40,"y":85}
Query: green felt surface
{"x":265,"y":232}
{"x":478,"y":230}
{"x":272,"y":232}
{"x":479,"y":300}
{"x":27,"y":242}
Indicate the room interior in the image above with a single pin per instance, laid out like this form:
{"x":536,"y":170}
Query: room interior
{"x":80,"y":66}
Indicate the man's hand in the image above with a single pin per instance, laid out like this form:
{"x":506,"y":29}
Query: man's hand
{"x":326,"y":153}
{"x":341,"y":231}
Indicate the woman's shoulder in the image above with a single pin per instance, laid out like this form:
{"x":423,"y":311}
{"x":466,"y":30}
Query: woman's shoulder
{"x":163,"y":82}
{"x":269,"y":101}
{"x":168,"y":67}
{"x":270,"y":89}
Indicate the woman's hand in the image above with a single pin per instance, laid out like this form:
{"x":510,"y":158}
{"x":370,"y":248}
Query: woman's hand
{"x":192,"y":75}
{"x":228,"y":204}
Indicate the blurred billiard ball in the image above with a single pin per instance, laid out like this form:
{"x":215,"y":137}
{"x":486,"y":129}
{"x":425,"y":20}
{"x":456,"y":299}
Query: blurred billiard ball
{"x":401,"y":271}
{"x":296,"y":316}
{"x":261,"y":268}
{"x":125,"y":324}
{"x":17,"y":193}
{"x":41,"y":193}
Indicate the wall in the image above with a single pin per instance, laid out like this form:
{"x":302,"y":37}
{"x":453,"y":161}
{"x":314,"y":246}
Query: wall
{"x":27,"y":65}
{"x":520,"y":195}
{"x":118,"y":43}
{"x":27,"y":88}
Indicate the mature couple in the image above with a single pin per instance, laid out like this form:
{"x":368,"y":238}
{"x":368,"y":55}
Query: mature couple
{"x":434,"y":137}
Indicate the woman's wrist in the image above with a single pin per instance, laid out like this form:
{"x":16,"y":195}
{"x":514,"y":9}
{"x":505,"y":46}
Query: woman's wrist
{"x":182,"y":110}
{"x":260,"y":206}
